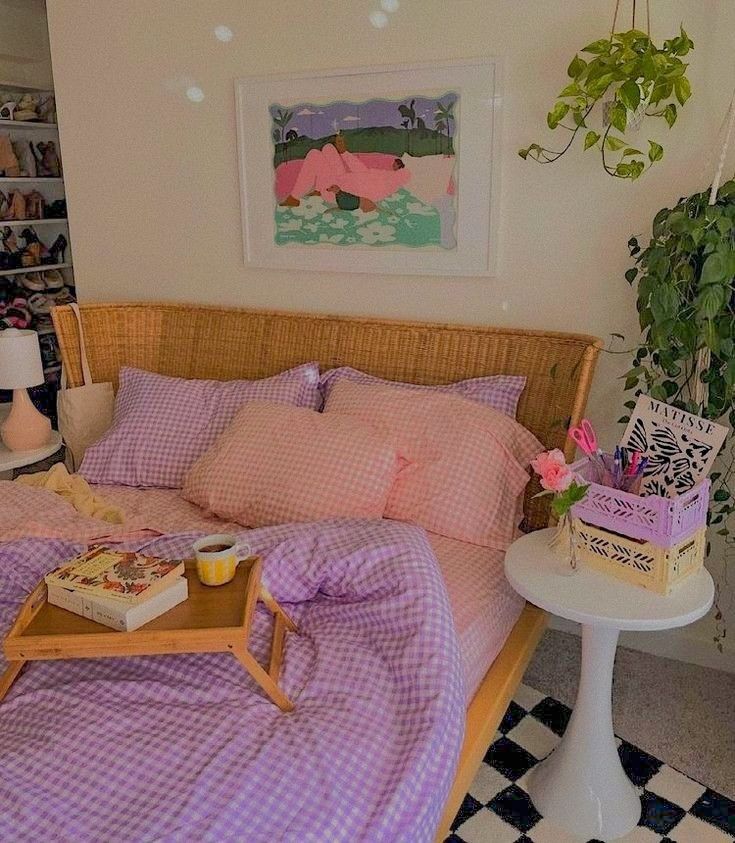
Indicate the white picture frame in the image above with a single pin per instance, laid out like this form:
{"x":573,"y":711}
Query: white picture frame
{"x":475,"y":175}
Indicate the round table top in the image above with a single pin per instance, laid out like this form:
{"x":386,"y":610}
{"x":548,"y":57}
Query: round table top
{"x":17,"y":459}
{"x":541,"y":575}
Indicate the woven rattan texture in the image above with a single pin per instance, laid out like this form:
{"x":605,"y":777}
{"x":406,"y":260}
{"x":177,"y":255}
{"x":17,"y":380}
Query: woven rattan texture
{"x":195,"y":341}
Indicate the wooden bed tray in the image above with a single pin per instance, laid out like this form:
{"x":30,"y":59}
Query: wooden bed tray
{"x":195,"y":341}
{"x":211,"y":620}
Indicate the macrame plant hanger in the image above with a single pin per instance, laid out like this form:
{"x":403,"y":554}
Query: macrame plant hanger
{"x":632,"y":23}
{"x":701,"y":389}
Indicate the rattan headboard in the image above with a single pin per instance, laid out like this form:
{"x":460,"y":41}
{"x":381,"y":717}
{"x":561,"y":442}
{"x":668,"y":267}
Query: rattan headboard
{"x":194,"y":341}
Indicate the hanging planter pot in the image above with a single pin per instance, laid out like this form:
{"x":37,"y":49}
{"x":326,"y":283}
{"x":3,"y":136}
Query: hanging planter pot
{"x":639,"y":79}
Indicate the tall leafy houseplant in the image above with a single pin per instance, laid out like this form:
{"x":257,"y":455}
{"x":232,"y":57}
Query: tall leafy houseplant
{"x":642,"y":79}
{"x":685,"y":281}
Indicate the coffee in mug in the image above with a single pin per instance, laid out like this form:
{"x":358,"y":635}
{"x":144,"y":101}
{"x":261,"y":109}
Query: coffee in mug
{"x":217,"y":557}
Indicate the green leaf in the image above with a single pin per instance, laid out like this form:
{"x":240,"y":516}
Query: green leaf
{"x":682,"y":89}
{"x":557,"y":114}
{"x":630,"y":95}
{"x":714,"y":270}
{"x":523,"y":153}
{"x":664,"y":302}
{"x":614,"y":143}
{"x":571,"y":90}
{"x":710,"y":301}
{"x":721,"y":495}
{"x":618,"y":117}
{"x":603,"y":45}
{"x":658,"y":392}
{"x":630,"y":275}
{"x":655,"y":151}
{"x":631,"y":151}
{"x":591,"y":139}
{"x":670,"y":114}
{"x":576,"y":66}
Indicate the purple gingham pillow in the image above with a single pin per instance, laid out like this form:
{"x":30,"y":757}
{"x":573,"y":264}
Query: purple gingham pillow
{"x":501,"y":392}
{"x":162,"y":425}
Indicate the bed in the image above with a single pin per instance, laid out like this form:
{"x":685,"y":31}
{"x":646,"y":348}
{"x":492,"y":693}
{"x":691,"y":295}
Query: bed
{"x":211,"y":342}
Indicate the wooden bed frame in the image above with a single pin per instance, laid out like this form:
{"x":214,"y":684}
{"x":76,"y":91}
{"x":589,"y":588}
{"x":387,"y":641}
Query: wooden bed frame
{"x":194,"y":341}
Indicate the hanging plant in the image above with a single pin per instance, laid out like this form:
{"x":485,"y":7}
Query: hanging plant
{"x":643,"y":81}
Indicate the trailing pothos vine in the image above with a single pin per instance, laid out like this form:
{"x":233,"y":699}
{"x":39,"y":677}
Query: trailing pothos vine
{"x":685,"y":281}
{"x":642,"y":79}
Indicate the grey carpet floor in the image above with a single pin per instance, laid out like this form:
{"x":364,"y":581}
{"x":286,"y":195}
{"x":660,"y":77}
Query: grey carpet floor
{"x":681,"y":713}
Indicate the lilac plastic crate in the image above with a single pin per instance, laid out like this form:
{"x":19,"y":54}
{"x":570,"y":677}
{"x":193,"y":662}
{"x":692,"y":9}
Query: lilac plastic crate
{"x":663,"y":521}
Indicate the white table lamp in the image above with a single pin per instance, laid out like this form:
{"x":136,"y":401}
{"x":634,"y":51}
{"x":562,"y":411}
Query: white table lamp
{"x":25,"y":429}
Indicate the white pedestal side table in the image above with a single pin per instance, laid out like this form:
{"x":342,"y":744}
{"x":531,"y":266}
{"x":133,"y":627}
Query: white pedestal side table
{"x":17,"y":459}
{"x":582,"y":786}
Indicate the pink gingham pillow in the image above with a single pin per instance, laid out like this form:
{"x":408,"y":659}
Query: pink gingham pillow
{"x":465,"y":465}
{"x":275,"y":464}
{"x":501,"y":392}
{"x":162,"y":425}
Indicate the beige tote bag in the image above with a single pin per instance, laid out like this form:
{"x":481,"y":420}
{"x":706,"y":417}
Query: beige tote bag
{"x":85,"y":412}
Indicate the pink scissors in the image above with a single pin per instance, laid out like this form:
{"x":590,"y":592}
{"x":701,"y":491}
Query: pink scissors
{"x":584,"y":436}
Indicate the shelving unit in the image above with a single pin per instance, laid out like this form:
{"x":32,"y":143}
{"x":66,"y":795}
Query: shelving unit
{"x":52,"y":189}
{"x":45,"y":221}
{"x":24,"y":270}
{"x":28,"y":124}
{"x":8,"y":179}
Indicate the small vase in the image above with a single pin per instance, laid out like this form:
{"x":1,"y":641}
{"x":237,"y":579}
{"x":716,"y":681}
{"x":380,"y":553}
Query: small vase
{"x":564,"y":543}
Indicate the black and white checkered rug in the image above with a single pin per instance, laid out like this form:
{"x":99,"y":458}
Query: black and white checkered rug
{"x":497,"y":809}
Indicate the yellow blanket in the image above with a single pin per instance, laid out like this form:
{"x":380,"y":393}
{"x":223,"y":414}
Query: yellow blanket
{"x":76,"y":490}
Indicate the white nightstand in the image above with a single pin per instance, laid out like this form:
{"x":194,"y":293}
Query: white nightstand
{"x":582,"y":786}
{"x":17,"y":459}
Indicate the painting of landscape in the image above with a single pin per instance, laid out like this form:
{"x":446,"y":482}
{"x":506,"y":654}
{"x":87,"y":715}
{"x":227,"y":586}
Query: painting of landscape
{"x":377,"y":173}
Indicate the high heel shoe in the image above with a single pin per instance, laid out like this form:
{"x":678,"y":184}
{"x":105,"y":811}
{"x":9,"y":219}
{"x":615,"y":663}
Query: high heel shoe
{"x":10,"y":241}
{"x":58,"y":247}
{"x":34,"y":253}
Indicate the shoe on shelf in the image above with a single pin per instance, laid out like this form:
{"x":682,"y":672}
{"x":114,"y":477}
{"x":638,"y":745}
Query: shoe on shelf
{"x":6,"y":111}
{"x":58,"y":248}
{"x":33,"y":282}
{"x":53,"y":279}
{"x":15,"y":206}
{"x":8,"y":162}
{"x":39,"y":305}
{"x":62,"y":297}
{"x":34,"y":205}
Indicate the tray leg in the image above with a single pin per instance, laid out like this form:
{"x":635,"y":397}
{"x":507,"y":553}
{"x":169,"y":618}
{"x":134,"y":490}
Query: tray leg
{"x":277,"y":647}
{"x":9,"y":676}
{"x":262,"y":678}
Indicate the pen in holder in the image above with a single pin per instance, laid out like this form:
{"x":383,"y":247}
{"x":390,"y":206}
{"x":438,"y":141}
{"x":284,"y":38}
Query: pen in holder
{"x":620,"y":472}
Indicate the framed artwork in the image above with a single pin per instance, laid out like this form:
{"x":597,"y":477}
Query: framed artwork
{"x":384,"y":170}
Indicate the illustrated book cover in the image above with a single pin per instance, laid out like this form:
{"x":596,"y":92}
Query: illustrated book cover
{"x":121,"y":575}
{"x":680,"y":446}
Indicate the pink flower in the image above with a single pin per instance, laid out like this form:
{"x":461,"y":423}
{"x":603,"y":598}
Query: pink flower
{"x":555,"y":474}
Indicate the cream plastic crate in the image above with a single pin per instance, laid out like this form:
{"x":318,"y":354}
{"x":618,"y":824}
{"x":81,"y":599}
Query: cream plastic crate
{"x":639,"y":562}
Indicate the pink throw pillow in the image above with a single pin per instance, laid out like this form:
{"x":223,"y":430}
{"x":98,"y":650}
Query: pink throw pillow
{"x":501,"y":392}
{"x":275,"y":464}
{"x":465,"y":465}
{"x":162,"y":425}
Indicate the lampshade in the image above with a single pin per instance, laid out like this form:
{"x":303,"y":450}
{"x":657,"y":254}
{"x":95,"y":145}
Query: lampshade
{"x":20,"y":359}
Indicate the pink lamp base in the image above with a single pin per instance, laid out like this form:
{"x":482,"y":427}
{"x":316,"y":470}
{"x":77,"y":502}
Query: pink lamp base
{"x":25,"y":429}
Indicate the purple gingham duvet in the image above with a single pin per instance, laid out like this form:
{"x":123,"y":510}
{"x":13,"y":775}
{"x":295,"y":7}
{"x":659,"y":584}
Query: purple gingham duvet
{"x":188,"y":748}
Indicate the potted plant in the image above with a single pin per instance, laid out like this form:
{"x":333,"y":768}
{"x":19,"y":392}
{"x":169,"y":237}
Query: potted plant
{"x":685,"y":280}
{"x":642,"y":79}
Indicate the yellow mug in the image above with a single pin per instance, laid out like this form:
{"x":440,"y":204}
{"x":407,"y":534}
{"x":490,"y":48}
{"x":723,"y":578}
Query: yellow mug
{"x":217,"y":557}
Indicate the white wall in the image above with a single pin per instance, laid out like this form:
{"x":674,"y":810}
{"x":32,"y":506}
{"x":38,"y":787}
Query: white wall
{"x":24,"y":49}
{"x":152,"y":178}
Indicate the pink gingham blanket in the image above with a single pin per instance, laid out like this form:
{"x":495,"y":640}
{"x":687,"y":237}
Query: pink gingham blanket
{"x":184,"y":748}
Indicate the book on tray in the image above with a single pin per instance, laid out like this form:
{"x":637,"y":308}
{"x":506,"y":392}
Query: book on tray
{"x":120,"y":589}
